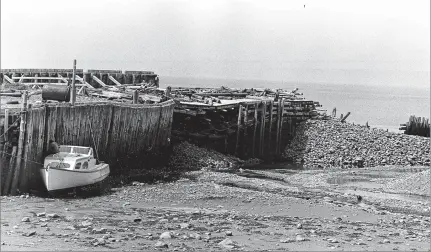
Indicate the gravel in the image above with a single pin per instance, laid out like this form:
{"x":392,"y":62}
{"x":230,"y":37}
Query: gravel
{"x":187,"y":156}
{"x":417,"y":183}
{"x":330,"y":143}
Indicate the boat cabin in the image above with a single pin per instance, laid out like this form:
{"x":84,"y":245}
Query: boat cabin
{"x":71,"y":158}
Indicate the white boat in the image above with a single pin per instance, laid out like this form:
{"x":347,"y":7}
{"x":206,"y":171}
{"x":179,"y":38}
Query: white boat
{"x":72,"y":166}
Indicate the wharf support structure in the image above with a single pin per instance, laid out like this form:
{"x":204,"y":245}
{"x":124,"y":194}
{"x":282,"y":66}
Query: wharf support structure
{"x":247,"y":128}
{"x":130,"y":138}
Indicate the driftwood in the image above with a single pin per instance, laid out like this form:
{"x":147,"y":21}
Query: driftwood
{"x":11,"y":94}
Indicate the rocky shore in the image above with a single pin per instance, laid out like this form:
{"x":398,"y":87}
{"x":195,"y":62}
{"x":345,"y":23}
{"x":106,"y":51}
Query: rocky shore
{"x":331,"y":143}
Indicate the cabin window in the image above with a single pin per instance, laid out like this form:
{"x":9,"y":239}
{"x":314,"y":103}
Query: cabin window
{"x":78,"y":166}
{"x":58,"y":165}
{"x":85,"y":165}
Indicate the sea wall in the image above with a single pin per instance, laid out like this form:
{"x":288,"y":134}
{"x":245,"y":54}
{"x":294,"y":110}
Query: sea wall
{"x":127,"y":137}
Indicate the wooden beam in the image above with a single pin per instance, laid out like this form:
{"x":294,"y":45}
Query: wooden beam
{"x":271,"y":106}
{"x":6,"y":124}
{"x":84,"y":82}
{"x":73,"y":89}
{"x":255,"y":129}
{"x":114,"y":80}
{"x":8,"y":79}
{"x":277,"y":138}
{"x":238,"y":129}
{"x":99,"y":81}
{"x":245,"y":140}
{"x":262,"y":126}
{"x":15,"y":181}
{"x":39,"y":78}
{"x":61,"y":78}
{"x":281,"y":124}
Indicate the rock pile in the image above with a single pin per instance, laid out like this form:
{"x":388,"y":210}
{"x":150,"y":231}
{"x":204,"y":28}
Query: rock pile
{"x":417,"y":183}
{"x":326,"y":143}
{"x":187,"y":156}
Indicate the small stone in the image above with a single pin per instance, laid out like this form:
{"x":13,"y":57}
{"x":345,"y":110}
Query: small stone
{"x":227,"y":243}
{"x":99,"y":230}
{"x":185,"y":225}
{"x":165,"y":235}
{"x":161,"y":244}
{"x":299,"y":226}
{"x":137,"y":220}
{"x":228,"y":233}
{"x":31,"y":233}
{"x":386,"y":241}
{"x":70,"y":228}
{"x":288,"y":240}
{"x":332,"y":240}
{"x":52,"y":215}
{"x":25,"y":219}
{"x":86,"y":223}
{"x":300,"y":238}
{"x":42,"y":214}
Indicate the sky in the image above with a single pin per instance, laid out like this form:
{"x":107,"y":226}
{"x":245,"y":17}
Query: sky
{"x":371,"y":42}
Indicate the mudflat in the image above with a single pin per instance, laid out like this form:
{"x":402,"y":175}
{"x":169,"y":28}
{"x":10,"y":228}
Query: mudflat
{"x":248,"y":210}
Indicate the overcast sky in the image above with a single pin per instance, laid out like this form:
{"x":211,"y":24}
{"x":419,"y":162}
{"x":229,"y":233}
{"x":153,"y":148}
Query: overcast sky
{"x":334,"y":41}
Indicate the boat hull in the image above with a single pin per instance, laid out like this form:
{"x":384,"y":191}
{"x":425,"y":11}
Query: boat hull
{"x":59,"y":179}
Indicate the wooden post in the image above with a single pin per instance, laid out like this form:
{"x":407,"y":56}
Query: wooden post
{"x":244,"y":149}
{"x":277,"y":138}
{"x":168,"y":91}
{"x":135,"y":97}
{"x":281,"y":124}
{"x":10,"y":171}
{"x":271,"y":107}
{"x":262,"y":129}
{"x":238,"y":130}
{"x":255,"y":129}
{"x":73,"y":91}
{"x":19,"y":155}
{"x":6,"y":124}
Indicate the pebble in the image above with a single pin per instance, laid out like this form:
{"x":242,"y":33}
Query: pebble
{"x":25,"y":219}
{"x":300,"y":238}
{"x":161,"y":244}
{"x":228,"y":233}
{"x":165,"y":235}
{"x":288,"y":240}
{"x":299,"y":226}
{"x":86,"y":223}
{"x":52,"y":215}
{"x":42,"y":214}
{"x":227,"y":243}
{"x":185,"y":225}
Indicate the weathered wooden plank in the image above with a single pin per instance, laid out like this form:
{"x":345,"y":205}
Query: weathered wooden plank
{"x":28,"y":142}
{"x":255,"y":129}
{"x":238,"y":130}
{"x":262,"y":142}
{"x":10,"y":174}
{"x":22,"y":132}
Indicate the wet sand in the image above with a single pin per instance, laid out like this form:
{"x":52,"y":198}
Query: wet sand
{"x":248,"y":210}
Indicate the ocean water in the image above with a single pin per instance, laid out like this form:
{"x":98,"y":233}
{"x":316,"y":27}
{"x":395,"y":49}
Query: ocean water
{"x":381,"y":107}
